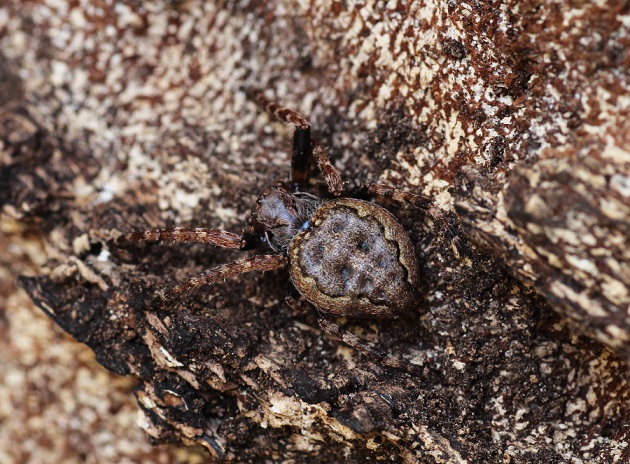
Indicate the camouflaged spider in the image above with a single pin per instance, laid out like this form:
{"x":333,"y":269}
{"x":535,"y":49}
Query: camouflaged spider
{"x":346,"y":256}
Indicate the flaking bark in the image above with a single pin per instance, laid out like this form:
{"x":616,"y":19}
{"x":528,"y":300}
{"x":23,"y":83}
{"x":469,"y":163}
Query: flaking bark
{"x":511,"y":116}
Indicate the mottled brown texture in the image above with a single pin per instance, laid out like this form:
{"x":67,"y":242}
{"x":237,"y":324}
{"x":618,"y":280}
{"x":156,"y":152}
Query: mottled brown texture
{"x":572,"y":210}
{"x":354,"y":259}
{"x":131,"y":117}
{"x":58,"y":405}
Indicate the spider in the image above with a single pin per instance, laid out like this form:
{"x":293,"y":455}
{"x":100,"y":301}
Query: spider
{"x":346,"y":256}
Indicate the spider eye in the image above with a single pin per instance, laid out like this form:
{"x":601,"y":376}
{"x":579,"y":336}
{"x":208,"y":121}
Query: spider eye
{"x":305,"y":225}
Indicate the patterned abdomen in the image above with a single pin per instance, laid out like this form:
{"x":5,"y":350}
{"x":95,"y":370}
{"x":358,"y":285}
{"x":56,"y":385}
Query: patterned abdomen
{"x":354,"y":259}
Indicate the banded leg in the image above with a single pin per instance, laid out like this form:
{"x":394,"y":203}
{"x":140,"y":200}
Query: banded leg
{"x":352,"y":340}
{"x":355,"y":342}
{"x":280,"y":112}
{"x":421,"y":201}
{"x":329,"y":172}
{"x":223,"y":271}
{"x":401,"y":196}
{"x":217,"y":237}
{"x":303,"y":147}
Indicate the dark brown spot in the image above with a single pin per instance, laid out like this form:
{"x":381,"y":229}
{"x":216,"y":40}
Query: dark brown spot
{"x":344,"y":272}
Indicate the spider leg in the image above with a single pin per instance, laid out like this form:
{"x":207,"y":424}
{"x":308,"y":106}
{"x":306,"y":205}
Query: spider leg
{"x":421,"y":201}
{"x":223,"y":271}
{"x":294,"y":301}
{"x":304,"y":148}
{"x":217,"y":237}
{"x":280,"y":112}
{"x":329,"y":172}
{"x":358,"y":344}
{"x":350,"y":339}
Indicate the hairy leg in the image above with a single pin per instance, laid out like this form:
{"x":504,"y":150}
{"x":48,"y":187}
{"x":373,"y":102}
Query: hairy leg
{"x":223,"y":271}
{"x":350,"y":339}
{"x":421,"y":201}
{"x":217,"y":237}
{"x":401,"y":196}
{"x":329,"y":172}
{"x":280,"y":112}
{"x":358,"y":344}
{"x":303,"y":147}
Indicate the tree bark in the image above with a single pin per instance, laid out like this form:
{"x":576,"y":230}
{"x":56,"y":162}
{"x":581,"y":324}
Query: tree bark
{"x":512,"y":116}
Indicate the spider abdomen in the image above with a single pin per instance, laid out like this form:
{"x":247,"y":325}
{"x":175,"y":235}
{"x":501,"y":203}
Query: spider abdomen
{"x":354,"y":259}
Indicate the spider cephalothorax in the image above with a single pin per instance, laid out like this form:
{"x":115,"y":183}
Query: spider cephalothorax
{"x":346,"y":256}
{"x":283,"y":214}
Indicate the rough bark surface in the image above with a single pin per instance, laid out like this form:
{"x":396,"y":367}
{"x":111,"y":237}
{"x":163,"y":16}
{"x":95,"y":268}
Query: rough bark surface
{"x":513,"y":116}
